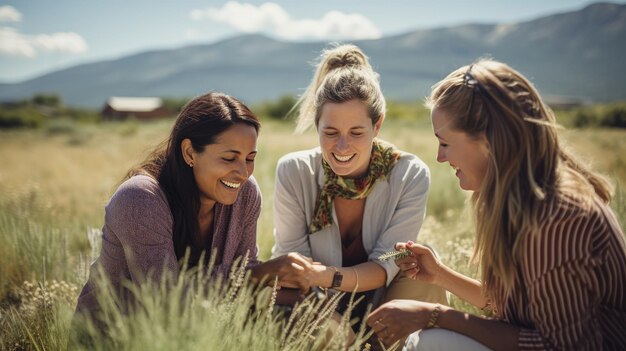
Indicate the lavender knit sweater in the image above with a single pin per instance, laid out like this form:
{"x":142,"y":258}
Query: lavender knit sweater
{"x":137,"y":235}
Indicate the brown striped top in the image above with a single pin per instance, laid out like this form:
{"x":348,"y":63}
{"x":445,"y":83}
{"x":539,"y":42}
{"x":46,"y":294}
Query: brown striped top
{"x":573,"y":276}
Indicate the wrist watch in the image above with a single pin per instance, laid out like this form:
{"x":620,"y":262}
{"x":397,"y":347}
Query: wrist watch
{"x":337,"y":278}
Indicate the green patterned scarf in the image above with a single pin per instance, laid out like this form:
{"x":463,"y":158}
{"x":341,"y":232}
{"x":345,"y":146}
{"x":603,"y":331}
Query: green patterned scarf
{"x":384,"y":157}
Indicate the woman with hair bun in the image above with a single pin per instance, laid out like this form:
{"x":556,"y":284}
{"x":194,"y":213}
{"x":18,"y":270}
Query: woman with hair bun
{"x":350,"y":200}
{"x":551,"y":252}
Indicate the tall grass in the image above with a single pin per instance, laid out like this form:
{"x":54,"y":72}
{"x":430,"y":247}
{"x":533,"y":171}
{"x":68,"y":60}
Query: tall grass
{"x":194,"y":312}
{"x":29,"y":251}
{"x":53,"y":188}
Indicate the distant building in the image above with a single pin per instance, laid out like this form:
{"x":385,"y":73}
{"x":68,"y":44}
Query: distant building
{"x":141,"y":108}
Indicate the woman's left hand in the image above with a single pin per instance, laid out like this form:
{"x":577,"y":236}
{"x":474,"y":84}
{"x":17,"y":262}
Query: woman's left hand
{"x":397,"y":319}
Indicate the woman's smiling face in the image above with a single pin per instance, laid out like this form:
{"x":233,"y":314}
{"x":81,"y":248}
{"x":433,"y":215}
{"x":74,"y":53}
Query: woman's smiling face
{"x":346,"y":134}
{"x":221,"y":168}
{"x":469,"y":156}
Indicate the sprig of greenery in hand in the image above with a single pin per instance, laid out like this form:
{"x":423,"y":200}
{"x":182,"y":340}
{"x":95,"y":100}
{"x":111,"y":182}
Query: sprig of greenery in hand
{"x":394,"y":255}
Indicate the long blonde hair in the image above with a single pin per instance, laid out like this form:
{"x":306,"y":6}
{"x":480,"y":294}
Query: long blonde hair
{"x":343,"y":74}
{"x":526,"y":167}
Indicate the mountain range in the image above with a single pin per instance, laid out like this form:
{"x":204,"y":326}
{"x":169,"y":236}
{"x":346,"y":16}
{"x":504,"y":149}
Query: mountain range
{"x":580,"y":54}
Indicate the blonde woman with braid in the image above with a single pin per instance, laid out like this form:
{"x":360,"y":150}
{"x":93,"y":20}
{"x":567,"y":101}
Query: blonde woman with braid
{"x":350,"y":200}
{"x":551,"y":252}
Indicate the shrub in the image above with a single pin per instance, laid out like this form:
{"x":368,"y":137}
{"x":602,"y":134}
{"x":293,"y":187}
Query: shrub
{"x":414,"y":110}
{"x":27,"y":117}
{"x":583,"y":119}
{"x":610,"y":116}
{"x":278,"y":109}
{"x":614,"y":116}
{"x":174,"y":104}
{"x":49,"y":99}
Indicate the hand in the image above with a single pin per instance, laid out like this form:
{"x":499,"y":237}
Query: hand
{"x":293,"y":270}
{"x":421,"y":264}
{"x":397,"y":319}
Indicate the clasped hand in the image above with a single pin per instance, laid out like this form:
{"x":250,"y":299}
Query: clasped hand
{"x":397,"y":319}
{"x":294,"y":270}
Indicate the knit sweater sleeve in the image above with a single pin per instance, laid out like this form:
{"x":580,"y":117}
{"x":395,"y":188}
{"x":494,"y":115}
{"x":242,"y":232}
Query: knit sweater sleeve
{"x":138,"y":216}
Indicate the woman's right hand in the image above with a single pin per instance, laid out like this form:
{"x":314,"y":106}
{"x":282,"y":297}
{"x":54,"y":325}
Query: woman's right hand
{"x":293,"y":270}
{"x":421,"y":264}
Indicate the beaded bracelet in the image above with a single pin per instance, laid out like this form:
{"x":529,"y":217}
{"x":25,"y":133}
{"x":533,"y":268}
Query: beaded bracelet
{"x":434,"y":316}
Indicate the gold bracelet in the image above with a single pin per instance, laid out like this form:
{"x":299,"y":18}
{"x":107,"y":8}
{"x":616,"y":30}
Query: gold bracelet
{"x":434,"y":316}
{"x":357,"y":278}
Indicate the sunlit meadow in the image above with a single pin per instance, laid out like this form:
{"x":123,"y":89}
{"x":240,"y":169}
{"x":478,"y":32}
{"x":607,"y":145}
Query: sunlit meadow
{"x":55,"y":182}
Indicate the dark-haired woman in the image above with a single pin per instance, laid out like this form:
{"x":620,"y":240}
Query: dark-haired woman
{"x":195,"y":194}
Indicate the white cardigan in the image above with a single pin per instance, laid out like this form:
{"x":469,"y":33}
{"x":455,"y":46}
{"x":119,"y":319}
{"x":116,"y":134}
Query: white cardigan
{"x":394,"y":210}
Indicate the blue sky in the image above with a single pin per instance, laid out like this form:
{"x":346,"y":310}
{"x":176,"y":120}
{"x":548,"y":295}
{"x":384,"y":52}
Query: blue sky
{"x":37,"y":37}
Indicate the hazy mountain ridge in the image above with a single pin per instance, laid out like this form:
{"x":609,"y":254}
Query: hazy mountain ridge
{"x":578,"y":54}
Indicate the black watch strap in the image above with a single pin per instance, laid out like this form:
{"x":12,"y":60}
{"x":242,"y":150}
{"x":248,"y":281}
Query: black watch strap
{"x":337,"y":279}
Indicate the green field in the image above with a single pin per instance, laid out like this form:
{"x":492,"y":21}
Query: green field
{"x":54,"y":183}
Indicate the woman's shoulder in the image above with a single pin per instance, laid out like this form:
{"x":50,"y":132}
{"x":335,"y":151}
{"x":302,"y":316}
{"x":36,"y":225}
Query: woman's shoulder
{"x":410,"y":167}
{"x":574,"y":226}
{"x":139,"y":191}
{"x":139,"y":203}
{"x":139,"y":184}
{"x":297,"y":162}
{"x":567,"y":207}
{"x":411,"y":161}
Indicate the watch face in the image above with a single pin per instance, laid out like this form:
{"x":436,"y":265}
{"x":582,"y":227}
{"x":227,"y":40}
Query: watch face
{"x":337,"y":278}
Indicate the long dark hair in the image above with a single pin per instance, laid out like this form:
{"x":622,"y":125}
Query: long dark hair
{"x":201,"y":120}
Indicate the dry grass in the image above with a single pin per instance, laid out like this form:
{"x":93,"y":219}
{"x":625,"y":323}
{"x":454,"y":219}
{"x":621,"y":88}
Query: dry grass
{"x":53,"y":188}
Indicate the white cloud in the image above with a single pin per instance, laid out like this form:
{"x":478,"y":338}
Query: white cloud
{"x":9,"y":14}
{"x":61,"y":42}
{"x":14,"y":43}
{"x":270,"y":17}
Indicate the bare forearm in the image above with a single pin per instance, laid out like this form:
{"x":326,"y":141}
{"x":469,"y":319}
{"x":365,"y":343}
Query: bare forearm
{"x":367,"y":276}
{"x":462,"y":286}
{"x":494,"y":334}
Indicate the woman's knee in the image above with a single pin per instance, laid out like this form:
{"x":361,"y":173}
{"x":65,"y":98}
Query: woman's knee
{"x":441,"y":340}
{"x":403,"y":287}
